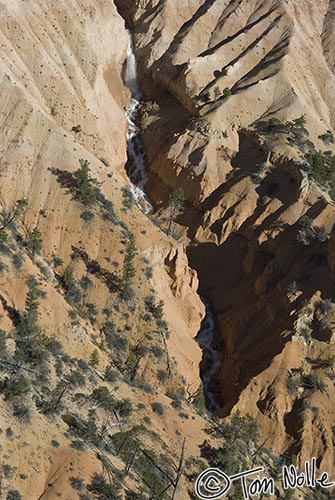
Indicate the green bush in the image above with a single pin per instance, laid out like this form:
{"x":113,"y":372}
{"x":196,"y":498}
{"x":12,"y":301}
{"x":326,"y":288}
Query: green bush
{"x":306,"y":333}
{"x":86,"y":283}
{"x":77,"y":483}
{"x":22,"y":412}
{"x":14,"y":386}
{"x":73,"y":294}
{"x":327,"y":137}
{"x":3,"y":267}
{"x":217,"y":92}
{"x":57,"y":261}
{"x":206,"y":96}
{"x":226,"y":92}
{"x":18,"y":260}
{"x":148,"y":273}
{"x":76,"y":379}
{"x":101,"y":488}
{"x":31,"y":350}
{"x":87,"y":216}
{"x":157,"y":408}
{"x":157,"y":351}
{"x":314,"y":383}
{"x":13,"y":495}
{"x":8,"y":471}
{"x":127,"y":198}
{"x":91,"y":311}
{"x":325,"y":306}
{"x":162,"y":375}
{"x":123,"y":407}
{"x":321,"y":165}
{"x":3,"y":338}
{"x":199,"y":399}
{"x":78,"y":445}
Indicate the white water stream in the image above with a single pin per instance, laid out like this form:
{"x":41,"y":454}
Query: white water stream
{"x":138,"y":176}
{"x":211,"y":357}
{"x":136,"y":158}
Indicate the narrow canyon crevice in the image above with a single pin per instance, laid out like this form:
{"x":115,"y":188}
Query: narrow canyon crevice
{"x":207,"y":337}
{"x":234,"y":351}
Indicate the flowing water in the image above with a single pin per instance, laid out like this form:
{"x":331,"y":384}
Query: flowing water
{"x":137,"y":174}
{"x":210,"y":363}
{"x":136,"y":169}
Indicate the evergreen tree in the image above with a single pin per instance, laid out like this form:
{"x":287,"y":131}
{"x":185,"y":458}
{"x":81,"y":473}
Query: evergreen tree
{"x":177,"y":200}
{"x":94,"y":358}
{"x":28,"y":319}
{"x":85,"y":184}
{"x":128,"y":267}
{"x":10,"y":216}
{"x":35,"y":241}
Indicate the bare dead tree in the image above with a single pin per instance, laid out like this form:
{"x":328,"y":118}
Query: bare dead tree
{"x":130,"y":460}
{"x":168,"y":362}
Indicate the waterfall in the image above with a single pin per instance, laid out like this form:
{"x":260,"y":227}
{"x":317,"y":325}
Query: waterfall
{"x":136,"y":158}
{"x":211,"y":357}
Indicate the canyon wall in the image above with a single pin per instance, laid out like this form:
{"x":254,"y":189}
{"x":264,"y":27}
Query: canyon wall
{"x":216,"y":75}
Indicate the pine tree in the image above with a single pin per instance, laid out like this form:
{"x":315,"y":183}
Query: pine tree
{"x":35,"y":241}
{"x":94,"y":358}
{"x":68,"y":277}
{"x":128,"y":267}
{"x":85,"y":184}
{"x":177,"y":200}
{"x":28,"y":319}
{"x":8,"y":216}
